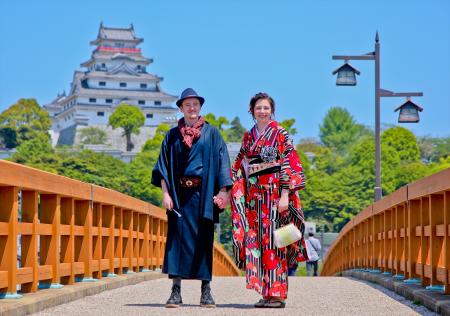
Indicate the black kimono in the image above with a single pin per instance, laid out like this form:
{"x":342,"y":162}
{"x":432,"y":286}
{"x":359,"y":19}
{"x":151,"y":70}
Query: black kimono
{"x":190,"y":238}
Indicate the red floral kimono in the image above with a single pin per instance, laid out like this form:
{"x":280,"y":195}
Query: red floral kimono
{"x":265,"y":165}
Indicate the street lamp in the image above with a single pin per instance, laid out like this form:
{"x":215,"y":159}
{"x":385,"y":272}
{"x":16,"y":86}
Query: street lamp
{"x":408,"y":110}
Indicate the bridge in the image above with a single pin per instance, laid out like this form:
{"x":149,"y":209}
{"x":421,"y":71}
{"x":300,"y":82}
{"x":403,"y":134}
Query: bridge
{"x":95,"y":250}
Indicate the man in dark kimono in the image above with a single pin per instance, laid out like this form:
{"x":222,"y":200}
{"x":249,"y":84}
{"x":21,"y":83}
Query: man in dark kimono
{"x":193,"y":170}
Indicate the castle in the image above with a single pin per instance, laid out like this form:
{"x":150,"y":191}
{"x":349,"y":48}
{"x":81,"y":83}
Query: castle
{"x":116,"y":73}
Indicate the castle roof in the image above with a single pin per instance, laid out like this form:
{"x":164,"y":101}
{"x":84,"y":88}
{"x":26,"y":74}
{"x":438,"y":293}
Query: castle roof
{"x":116,"y":34}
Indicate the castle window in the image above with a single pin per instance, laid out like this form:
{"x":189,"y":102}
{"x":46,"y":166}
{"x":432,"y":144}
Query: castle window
{"x":143,"y":86}
{"x":123,"y":84}
{"x":102,"y":83}
{"x":92,"y":100}
{"x":141,"y":102}
{"x":149,"y":115}
{"x":157,"y":102}
{"x":108,"y":100}
{"x":100,"y":113}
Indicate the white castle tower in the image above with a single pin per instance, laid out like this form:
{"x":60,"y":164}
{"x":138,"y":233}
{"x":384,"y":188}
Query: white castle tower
{"x":116,"y":73}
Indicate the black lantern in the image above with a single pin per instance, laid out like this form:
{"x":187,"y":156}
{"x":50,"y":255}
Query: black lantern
{"x":346,"y":75}
{"x":409,"y":112}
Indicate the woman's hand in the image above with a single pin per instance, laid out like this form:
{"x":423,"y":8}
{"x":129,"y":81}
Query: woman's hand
{"x":283,"y":204}
{"x":167,"y":201}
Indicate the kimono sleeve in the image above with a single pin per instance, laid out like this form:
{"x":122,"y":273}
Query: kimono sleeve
{"x":292,"y":177}
{"x":238,"y":218}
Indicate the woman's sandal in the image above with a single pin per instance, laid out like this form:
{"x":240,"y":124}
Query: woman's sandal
{"x":261,"y":303}
{"x":274,"y":304}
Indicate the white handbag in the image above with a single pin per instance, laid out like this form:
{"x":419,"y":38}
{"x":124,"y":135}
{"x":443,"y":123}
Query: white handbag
{"x":286,"y":235}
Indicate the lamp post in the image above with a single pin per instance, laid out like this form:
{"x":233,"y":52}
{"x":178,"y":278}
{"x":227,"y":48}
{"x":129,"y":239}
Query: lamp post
{"x":345,"y":72}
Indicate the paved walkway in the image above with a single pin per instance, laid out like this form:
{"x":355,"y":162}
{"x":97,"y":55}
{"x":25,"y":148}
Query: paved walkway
{"x":307,"y":296}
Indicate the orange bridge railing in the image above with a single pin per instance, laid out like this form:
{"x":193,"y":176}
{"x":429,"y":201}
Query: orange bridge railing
{"x":406,"y":234}
{"x":55,"y":230}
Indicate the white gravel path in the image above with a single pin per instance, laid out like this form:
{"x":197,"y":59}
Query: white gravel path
{"x":307,"y":296}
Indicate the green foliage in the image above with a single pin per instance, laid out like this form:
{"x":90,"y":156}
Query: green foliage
{"x":433,"y":149}
{"x":93,"y":135}
{"x":37,"y":153}
{"x":8,"y":137}
{"x":339,"y":130}
{"x":403,"y":141}
{"x":219,"y":122}
{"x":287,"y":124}
{"x":236,"y":131}
{"x":95,"y":168}
{"x":140,"y":169}
{"x":130,"y":119}
{"x":23,"y":121}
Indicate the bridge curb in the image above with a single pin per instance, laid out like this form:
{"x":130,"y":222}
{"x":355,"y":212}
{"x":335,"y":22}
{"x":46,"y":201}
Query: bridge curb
{"x":435,"y":301}
{"x":42,"y":299}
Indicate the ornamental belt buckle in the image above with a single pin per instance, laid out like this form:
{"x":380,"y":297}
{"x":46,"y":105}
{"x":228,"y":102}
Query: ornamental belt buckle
{"x":189,"y":183}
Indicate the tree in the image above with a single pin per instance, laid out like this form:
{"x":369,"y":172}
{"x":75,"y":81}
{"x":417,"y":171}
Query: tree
{"x":23,"y":121}
{"x":128,"y":117}
{"x":37,"y":153}
{"x":432,"y":149}
{"x":96,"y":168}
{"x":140,"y":169}
{"x":93,"y":135}
{"x":219,"y":122}
{"x":8,"y":137}
{"x":339,"y":130}
{"x":236,"y":131}
{"x":287,"y":124}
{"x":403,"y":142}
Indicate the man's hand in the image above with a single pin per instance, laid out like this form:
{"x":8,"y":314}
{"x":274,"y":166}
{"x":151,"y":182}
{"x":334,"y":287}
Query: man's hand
{"x":222,"y":199}
{"x":167,"y":201}
{"x":283,"y":204}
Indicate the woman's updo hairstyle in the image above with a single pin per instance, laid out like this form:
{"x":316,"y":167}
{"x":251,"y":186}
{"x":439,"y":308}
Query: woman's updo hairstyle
{"x":260,"y":96}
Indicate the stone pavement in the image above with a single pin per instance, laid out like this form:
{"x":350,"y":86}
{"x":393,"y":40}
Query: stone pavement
{"x":307,"y":296}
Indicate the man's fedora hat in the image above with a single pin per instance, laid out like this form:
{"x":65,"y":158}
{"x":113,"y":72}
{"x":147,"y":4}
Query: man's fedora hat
{"x":189,"y":93}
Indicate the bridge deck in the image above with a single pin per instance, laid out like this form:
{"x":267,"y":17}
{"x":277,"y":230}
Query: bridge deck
{"x":307,"y":296}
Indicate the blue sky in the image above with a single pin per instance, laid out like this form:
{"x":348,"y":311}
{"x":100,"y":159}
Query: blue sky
{"x":229,"y":50}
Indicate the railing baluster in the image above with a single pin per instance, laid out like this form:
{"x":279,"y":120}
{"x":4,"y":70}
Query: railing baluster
{"x":8,"y":243}
{"x":50,"y":242}
{"x":30,"y":243}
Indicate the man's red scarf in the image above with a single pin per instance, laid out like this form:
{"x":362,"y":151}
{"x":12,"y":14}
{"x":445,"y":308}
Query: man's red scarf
{"x":190,"y":133}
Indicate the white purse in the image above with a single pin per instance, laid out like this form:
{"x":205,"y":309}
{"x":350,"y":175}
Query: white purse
{"x":286,"y":235}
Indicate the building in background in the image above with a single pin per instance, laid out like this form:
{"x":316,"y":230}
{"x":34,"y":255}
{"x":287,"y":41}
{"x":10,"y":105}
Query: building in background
{"x":116,"y":73}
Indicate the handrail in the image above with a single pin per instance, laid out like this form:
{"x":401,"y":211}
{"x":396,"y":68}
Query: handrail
{"x":406,"y":234}
{"x":69,"y":230}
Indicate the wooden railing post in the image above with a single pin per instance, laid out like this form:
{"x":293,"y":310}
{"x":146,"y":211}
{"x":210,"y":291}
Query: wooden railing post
{"x":425,"y":241}
{"x":108,"y":240}
{"x":50,"y":239}
{"x":446,"y":244}
{"x":83,"y":211}
{"x":67,"y":241}
{"x":97,"y":241}
{"x":118,"y":242}
{"x":145,"y":248}
{"x":8,"y":243}
{"x":30,"y":242}
{"x":414,"y":234}
{"x":437,"y":235}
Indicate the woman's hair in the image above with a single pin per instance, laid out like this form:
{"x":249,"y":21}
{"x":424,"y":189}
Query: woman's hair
{"x":261,"y":96}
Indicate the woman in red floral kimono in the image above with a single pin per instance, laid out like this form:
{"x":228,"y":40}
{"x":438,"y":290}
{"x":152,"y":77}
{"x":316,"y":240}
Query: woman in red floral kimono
{"x":266,"y":176}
